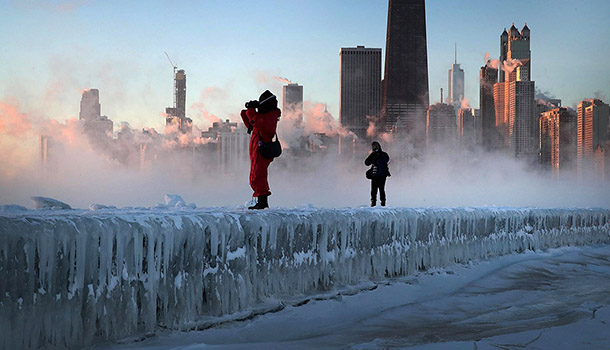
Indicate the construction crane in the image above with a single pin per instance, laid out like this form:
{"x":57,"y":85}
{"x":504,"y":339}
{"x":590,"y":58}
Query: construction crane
{"x":172,"y":63}
{"x":174,"y":76}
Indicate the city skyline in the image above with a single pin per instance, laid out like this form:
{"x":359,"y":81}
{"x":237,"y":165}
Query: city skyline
{"x":65,"y":47}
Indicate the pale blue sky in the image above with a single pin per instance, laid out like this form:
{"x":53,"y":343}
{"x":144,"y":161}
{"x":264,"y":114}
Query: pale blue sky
{"x":51,"y":50}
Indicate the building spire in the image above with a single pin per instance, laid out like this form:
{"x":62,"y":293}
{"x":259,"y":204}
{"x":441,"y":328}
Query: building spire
{"x":441,"y":95}
{"x":455,"y":59}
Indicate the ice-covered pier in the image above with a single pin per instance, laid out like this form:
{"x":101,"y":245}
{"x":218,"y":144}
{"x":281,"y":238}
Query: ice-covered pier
{"x":70,"y":278}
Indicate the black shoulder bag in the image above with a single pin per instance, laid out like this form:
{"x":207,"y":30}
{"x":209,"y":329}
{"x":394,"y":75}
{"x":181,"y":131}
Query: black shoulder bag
{"x":271,"y":149}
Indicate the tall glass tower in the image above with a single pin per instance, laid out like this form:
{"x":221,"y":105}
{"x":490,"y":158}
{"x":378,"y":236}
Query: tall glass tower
{"x":405,"y":85}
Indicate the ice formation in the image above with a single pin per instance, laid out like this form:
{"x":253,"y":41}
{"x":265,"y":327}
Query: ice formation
{"x":49,"y":203}
{"x":73,"y":278}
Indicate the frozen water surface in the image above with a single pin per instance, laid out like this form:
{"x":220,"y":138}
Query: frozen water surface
{"x":73,"y":278}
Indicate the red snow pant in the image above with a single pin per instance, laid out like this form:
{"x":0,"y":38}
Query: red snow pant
{"x":258,"y":174}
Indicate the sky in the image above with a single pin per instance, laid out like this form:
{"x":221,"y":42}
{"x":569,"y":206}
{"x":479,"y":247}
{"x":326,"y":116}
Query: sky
{"x":232,"y":50}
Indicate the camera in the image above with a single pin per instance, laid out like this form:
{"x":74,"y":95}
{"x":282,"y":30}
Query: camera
{"x":252,"y":104}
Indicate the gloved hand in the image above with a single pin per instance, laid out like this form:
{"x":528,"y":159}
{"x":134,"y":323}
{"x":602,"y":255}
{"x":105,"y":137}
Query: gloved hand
{"x":252,"y":104}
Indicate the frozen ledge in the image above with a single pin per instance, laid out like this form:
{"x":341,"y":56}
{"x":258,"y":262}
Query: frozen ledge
{"x":72,"y":278}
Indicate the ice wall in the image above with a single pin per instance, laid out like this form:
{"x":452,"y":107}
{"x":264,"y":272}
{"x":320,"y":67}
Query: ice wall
{"x":70,"y":278}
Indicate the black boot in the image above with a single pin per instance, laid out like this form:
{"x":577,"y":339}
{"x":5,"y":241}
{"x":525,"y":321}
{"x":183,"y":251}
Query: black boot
{"x":373,"y":202}
{"x":383,"y":203}
{"x":261,"y":203}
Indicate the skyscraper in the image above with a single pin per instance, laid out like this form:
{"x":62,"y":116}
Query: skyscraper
{"x":514,"y":94}
{"x":360,"y":88}
{"x":515,"y":45}
{"x":405,"y":98}
{"x":441,"y":126}
{"x":520,"y":117}
{"x":557,"y":146}
{"x":176,"y":115}
{"x":466,"y":126}
{"x":456,"y":84}
{"x":592,"y":129}
{"x":292,"y":100}
{"x":489,"y":135}
{"x":90,"y":108}
{"x":98,"y":128}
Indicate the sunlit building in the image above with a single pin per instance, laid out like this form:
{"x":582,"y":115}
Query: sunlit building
{"x":557,"y":145}
{"x":514,"y":95}
{"x":515,"y":45}
{"x":592,"y":129}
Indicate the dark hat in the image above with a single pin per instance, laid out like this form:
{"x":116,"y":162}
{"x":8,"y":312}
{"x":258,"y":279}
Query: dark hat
{"x":376,"y":144}
{"x":266,"y":96}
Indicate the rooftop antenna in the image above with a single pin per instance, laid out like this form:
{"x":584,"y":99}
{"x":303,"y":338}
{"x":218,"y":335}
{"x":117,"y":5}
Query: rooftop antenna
{"x":441,"y":95}
{"x":455,"y":62}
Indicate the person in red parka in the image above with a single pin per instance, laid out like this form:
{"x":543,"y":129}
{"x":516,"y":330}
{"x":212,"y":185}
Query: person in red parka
{"x":261,"y":126}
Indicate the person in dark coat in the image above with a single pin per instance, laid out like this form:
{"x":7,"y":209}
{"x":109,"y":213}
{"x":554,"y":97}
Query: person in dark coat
{"x":379,"y":171}
{"x":262,"y":126}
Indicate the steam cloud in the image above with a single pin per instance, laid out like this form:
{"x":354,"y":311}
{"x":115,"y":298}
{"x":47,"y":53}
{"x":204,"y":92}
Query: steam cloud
{"x":448,"y":176}
{"x":283,"y":80}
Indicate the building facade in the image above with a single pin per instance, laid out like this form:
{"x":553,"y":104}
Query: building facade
{"x":456,"y":85}
{"x":441,"y":127}
{"x":557,"y":141}
{"x":468,"y":127}
{"x":405,"y":96}
{"x":232,"y":141}
{"x":98,"y":128}
{"x":175,"y":117}
{"x":360,"y":85}
{"x":516,"y":118}
{"x":490,"y":138}
{"x":592,"y":130}
{"x":292,"y":100}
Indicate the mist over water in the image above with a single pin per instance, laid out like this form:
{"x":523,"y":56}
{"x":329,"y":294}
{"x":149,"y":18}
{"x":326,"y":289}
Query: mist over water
{"x":442,"y":176}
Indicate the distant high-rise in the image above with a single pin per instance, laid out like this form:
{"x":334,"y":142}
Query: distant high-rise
{"x":515,"y":45}
{"x":500,"y":113}
{"x":516,"y":119}
{"x":292,"y":99}
{"x":405,"y":97}
{"x":466,"y":126}
{"x":360,"y":87}
{"x":90,"y":108}
{"x":489,"y":134}
{"x":441,"y":126}
{"x":456,"y":84}
{"x":557,"y":146}
{"x":520,"y":118}
{"x":592,"y":129}
{"x":176,"y":115}
{"x":97,"y":127}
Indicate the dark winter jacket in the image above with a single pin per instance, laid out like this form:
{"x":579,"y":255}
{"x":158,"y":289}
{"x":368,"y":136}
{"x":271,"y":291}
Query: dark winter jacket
{"x":379,"y":161}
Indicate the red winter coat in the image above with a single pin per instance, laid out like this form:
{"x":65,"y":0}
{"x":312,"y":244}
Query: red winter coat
{"x":263,"y":125}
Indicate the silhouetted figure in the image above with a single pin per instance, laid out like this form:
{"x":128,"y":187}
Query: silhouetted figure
{"x":379,"y":171}
{"x":262,"y":125}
